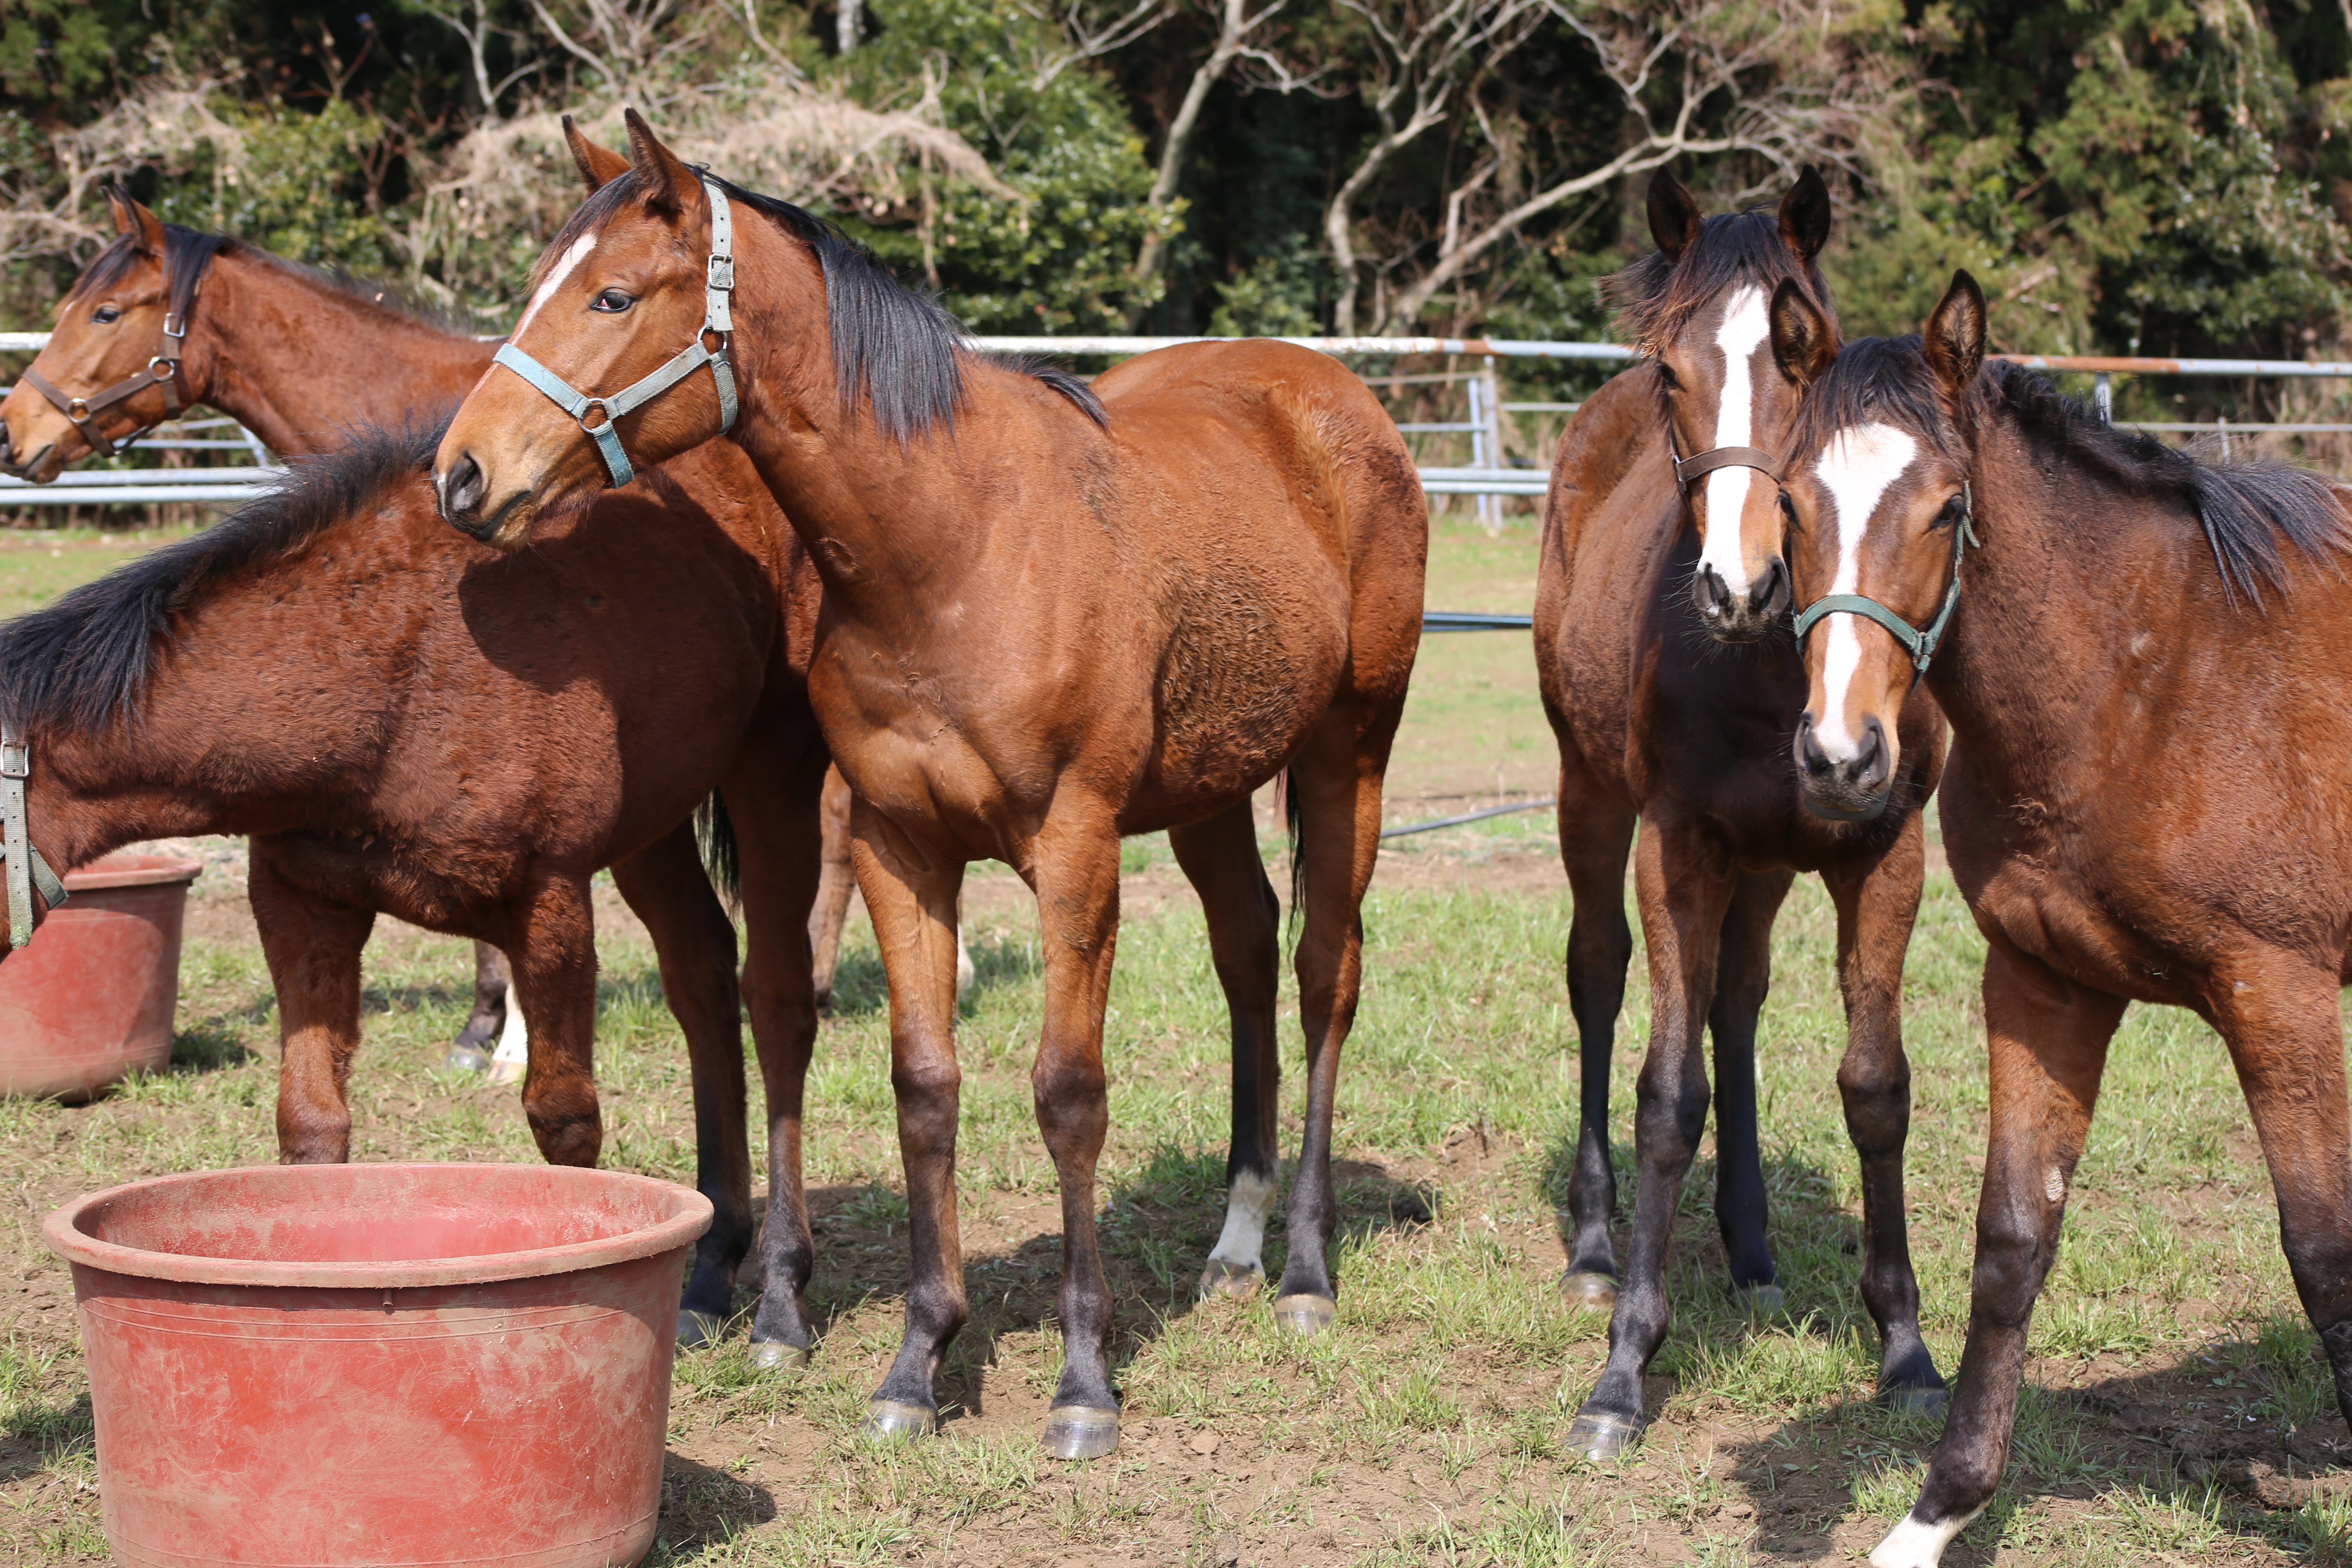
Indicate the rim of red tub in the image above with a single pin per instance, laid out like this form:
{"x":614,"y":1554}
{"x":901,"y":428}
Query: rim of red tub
{"x":132,"y":870}
{"x":690,"y":1218}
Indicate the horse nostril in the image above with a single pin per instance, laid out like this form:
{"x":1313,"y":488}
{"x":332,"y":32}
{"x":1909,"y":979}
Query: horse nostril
{"x":1871,"y":766}
{"x":1810,"y":756}
{"x":1770,"y":596}
{"x":461,"y":489}
{"x":1713,"y":597}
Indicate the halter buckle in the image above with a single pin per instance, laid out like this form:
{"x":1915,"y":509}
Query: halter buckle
{"x":721,"y":272}
{"x":170,"y":330}
{"x":15,"y":760}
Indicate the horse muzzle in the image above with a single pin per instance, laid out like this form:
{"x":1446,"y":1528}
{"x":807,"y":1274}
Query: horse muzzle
{"x":461,"y":493}
{"x":1852,"y":788}
{"x":1735,"y":617}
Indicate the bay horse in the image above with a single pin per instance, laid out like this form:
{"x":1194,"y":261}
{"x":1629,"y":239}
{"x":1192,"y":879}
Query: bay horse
{"x":302,"y":359}
{"x":2143,"y":659}
{"x":461,"y":738}
{"x":1672,"y":686}
{"x":1051,"y":618}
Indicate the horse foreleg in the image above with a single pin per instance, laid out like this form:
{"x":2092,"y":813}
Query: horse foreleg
{"x":1220,"y":859}
{"x":1743,"y":975}
{"x":313,"y":950}
{"x":1684,"y":884}
{"x":1075,"y":870}
{"x":693,"y":938}
{"x":1596,"y":834}
{"x":910,"y":892}
{"x":490,"y":1014}
{"x":552,"y":947}
{"x":1876,"y":905}
{"x":1338,"y":775}
{"x":2049,"y":1045}
{"x":834,"y":885}
{"x":774,"y":802}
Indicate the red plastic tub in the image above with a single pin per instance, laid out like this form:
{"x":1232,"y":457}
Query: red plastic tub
{"x":89,"y":998}
{"x":381,"y":1364}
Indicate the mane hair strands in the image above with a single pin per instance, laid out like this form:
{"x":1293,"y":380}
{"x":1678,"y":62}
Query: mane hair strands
{"x":1656,"y":295}
{"x":76,"y":663}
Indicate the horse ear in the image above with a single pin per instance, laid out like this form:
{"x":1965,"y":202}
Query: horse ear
{"x":119,"y":203}
{"x":669,"y":184}
{"x":1673,"y":215}
{"x":1804,"y":341}
{"x":599,"y":166}
{"x":151,"y":230}
{"x":1954,"y":338}
{"x":1805,"y":215}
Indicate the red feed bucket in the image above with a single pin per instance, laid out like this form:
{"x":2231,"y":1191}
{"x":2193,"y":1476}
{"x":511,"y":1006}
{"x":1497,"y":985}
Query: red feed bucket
{"x":381,"y":1364}
{"x":89,"y":998}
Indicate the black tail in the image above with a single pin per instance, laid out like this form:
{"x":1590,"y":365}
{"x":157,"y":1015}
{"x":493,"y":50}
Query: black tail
{"x":721,"y":856}
{"x":1298,"y":860}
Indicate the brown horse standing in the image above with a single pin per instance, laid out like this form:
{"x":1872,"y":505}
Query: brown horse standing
{"x":2150,"y":794}
{"x":261,"y":336}
{"x":1651,"y":562}
{"x":1048,"y":622}
{"x":460,"y":739}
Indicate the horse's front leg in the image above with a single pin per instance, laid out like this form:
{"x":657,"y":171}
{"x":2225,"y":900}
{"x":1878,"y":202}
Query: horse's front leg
{"x":693,"y":938}
{"x":1877,"y":903}
{"x":910,"y":894}
{"x":1596,"y":834}
{"x":1074,"y":869}
{"x":1684,"y":883}
{"x":313,"y":950}
{"x":551,"y":944}
{"x":1743,"y":977}
{"x":2049,"y":1045}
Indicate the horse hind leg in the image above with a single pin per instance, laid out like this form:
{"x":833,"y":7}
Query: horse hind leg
{"x":1743,"y":975}
{"x":694,"y":941}
{"x":1219,"y":857}
{"x":486,"y":1022}
{"x":1876,"y":905}
{"x":1596,"y":834}
{"x":835,"y":883}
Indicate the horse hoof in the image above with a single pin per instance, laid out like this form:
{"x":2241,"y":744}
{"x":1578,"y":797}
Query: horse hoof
{"x":466,"y":1059}
{"x":696,"y":1330}
{"x":888,"y":1419}
{"x":1588,"y":1292}
{"x":1915,"y":1401}
{"x":1600,"y":1436}
{"x":507,"y":1072}
{"x":1306,"y":1314}
{"x":1080,"y":1432}
{"x":1759,"y":1300}
{"x":774,"y":1355}
{"x":1240,"y":1281}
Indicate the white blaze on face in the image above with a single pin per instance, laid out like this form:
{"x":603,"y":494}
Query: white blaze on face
{"x":1247,"y":1205}
{"x":1856,"y":469}
{"x":573,"y":256}
{"x":1746,"y":322}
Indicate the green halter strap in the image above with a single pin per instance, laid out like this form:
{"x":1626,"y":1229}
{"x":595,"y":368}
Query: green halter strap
{"x":1919,"y":645}
{"x":718,"y":321}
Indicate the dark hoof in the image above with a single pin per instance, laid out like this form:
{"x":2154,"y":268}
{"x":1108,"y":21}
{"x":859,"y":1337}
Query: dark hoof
{"x":466,"y":1059}
{"x":1080,"y":1432}
{"x":1223,"y":1279}
{"x":1588,"y":1292}
{"x":696,"y":1330}
{"x":1759,"y":1300}
{"x":1600,"y":1436}
{"x":774,"y":1355}
{"x":1306,"y":1314}
{"x":1915,"y":1401}
{"x":888,"y":1419}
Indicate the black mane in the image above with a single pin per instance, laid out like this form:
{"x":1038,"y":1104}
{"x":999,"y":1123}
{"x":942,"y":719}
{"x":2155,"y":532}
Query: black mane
{"x":78,"y":662}
{"x":1654,"y":297}
{"x":188,"y":252}
{"x":2244,"y":509}
{"x":897,"y":346}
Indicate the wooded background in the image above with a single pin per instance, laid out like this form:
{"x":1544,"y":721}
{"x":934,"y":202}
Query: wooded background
{"x":2126,"y":176}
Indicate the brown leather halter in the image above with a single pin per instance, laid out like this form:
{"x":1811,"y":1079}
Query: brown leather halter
{"x":1689,"y":469}
{"x":163,"y":370}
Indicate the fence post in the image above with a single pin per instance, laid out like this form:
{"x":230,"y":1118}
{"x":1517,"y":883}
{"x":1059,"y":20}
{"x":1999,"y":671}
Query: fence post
{"x":2103,"y":394}
{"x":1490,"y":508}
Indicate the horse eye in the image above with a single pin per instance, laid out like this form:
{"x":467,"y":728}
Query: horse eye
{"x":106,"y":315}
{"x":1666,"y":374}
{"x":1951,"y":512}
{"x":611,"y":302}
{"x":1788,"y":507}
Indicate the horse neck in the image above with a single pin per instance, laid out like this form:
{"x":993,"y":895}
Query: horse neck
{"x":2048,"y":611}
{"x":299,"y":362}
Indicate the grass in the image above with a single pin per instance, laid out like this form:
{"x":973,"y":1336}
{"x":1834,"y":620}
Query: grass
{"x":2175,"y":1411}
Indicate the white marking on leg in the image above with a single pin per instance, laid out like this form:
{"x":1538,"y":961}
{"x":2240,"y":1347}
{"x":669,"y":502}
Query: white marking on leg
{"x":573,"y":256}
{"x":514,"y":1038}
{"x":1746,"y":323}
{"x":1915,"y":1543}
{"x":1247,"y":1204}
{"x":1857,"y":468}
{"x":2053,"y":1185}
{"x":965,"y":974}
